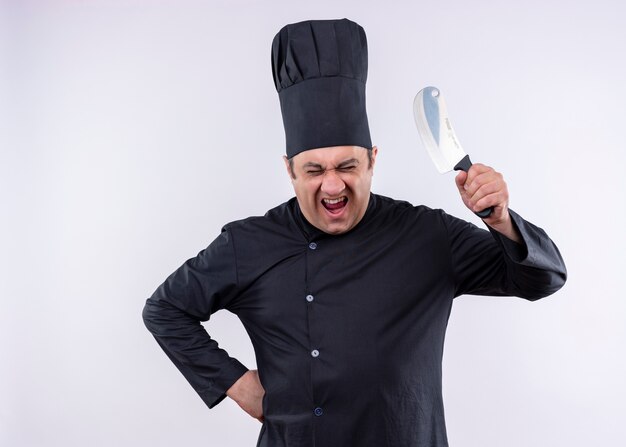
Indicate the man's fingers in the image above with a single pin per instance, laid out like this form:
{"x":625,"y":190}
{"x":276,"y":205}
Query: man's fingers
{"x":483,"y":187}
{"x":494,"y":186}
{"x":460,"y":181}
{"x":481,"y":179}
{"x":495,"y":200}
{"x":475,"y":170}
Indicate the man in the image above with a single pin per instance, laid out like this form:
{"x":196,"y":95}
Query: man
{"x":345,"y":294}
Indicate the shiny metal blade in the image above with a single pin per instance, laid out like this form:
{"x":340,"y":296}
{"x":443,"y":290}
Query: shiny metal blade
{"x":431,"y":117}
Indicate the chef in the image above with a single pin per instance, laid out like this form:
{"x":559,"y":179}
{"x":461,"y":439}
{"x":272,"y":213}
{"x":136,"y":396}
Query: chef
{"x":345,"y":294}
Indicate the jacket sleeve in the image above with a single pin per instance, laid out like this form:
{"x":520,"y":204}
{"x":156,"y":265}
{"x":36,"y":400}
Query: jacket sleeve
{"x":488,"y":263}
{"x":200,"y":287}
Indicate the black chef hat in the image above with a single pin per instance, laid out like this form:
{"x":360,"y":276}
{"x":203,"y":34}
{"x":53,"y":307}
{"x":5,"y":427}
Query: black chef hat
{"x":320,"y":70}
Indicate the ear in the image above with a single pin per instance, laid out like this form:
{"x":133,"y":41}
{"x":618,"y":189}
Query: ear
{"x":374,"y":153}
{"x":289,"y":173}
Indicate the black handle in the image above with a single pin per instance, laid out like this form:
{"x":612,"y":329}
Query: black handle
{"x":464,"y":165}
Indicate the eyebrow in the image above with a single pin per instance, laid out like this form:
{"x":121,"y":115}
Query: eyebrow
{"x":343,"y":164}
{"x":310,"y":164}
{"x":348,"y":162}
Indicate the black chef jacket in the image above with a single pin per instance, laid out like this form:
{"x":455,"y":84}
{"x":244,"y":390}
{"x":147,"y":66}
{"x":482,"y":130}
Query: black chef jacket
{"x":348,"y":330}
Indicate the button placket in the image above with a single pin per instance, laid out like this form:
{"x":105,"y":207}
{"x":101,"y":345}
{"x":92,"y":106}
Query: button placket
{"x":313,"y":323}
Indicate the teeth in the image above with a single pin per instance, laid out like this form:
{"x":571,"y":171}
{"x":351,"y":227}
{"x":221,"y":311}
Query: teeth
{"x":333,"y":201}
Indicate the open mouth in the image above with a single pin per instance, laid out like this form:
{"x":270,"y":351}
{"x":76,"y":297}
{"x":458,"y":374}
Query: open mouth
{"x":335,"y":205}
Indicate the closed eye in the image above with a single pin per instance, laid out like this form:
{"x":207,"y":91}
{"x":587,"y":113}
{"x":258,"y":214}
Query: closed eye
{"x":346,"y":168}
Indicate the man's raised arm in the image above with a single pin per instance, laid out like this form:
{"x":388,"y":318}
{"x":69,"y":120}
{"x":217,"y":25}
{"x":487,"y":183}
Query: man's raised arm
{"x":517,"y":259}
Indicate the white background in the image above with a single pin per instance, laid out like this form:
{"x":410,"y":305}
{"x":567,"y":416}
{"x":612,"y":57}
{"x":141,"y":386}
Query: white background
{"x":131,"y":131}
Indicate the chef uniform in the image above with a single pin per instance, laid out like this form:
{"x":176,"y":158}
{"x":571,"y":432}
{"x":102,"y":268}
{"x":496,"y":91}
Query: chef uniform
{"x":348,"y":329}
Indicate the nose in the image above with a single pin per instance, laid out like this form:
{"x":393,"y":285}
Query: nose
{"x":332,"y":184}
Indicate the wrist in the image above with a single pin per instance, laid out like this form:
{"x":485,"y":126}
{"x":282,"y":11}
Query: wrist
{"x":506,"y":227}
{"x":236,"y":389}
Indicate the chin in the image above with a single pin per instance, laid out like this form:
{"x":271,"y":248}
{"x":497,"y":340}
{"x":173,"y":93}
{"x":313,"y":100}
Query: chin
{"x":336,"y":229}
{"x":333,"y":232}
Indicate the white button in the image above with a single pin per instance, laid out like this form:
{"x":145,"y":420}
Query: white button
{"x":309,"y":298}
{"x":315,"y":353}
{"x":312,"y":245}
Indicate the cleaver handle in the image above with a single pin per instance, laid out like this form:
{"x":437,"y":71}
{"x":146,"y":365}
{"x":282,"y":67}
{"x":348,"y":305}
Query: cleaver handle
{"x":464,"y":165}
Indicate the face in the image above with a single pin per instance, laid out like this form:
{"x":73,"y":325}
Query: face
{"x":332,"y":185}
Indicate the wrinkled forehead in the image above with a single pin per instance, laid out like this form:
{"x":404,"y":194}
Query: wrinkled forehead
{"x":331,"y":155}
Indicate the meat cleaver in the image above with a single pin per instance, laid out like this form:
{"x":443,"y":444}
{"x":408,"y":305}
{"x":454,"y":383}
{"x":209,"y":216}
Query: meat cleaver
{"x":433,"y":125}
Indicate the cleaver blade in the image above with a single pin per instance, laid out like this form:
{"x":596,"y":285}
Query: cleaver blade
{"x":435,"y":129}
